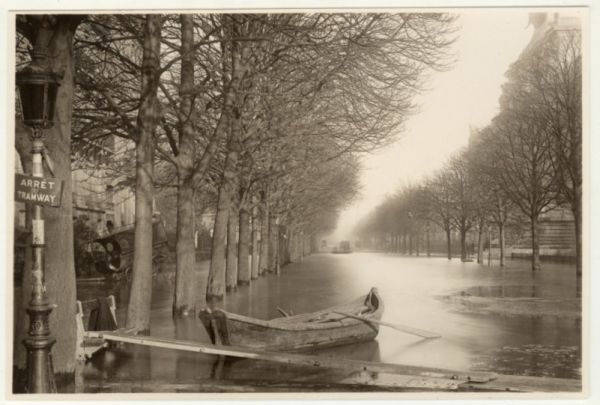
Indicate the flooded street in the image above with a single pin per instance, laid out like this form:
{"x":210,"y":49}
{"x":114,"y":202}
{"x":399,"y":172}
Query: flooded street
{"x":502,"y":320}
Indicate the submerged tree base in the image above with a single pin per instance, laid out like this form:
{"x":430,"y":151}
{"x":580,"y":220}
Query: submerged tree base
{"x":213,"y":299}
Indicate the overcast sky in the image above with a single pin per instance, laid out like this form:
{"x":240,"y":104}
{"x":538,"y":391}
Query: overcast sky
{"x":490,"y":40}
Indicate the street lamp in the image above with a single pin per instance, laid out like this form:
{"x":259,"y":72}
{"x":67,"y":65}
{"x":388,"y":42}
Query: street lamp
{"x":38,"y":86}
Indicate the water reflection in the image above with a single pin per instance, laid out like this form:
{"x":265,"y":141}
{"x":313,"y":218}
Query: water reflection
{"x":367,"y":351}
{"x":530,"y":345}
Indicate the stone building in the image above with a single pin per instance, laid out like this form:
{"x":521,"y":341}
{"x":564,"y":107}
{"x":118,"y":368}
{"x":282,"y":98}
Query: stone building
{"x":99,"y":192}
{"x":556,"y":227}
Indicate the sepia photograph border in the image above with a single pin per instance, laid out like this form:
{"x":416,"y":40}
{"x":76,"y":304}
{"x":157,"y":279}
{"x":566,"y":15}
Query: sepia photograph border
{"x":591,"y":259}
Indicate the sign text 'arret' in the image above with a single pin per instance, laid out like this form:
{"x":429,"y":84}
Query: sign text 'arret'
{"x":38,"y":190}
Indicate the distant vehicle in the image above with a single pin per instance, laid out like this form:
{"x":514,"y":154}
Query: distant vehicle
{"x":344,"y":247}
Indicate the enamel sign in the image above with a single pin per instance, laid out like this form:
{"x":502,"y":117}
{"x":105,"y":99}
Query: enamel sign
{"x":38,"y":190}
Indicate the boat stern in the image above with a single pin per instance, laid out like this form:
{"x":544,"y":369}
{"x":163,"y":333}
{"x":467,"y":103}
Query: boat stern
{"x":216,"y":324}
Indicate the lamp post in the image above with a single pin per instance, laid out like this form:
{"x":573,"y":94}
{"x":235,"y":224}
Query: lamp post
{"x":38,"y":86}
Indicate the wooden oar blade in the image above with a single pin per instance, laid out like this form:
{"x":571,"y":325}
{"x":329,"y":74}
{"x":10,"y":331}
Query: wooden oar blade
{"x":414,"y":331}
{"x":402,"y":328}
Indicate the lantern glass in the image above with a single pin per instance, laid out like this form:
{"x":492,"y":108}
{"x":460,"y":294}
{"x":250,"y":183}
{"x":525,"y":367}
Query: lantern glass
{"x":38,"y":88}
{"x":38,"y":101}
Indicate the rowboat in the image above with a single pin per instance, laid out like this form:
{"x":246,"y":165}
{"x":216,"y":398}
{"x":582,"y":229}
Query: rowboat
{"x":338,"y":325}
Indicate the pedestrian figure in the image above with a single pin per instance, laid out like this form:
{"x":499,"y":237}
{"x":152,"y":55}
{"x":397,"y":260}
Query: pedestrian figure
{"x":100,"y":229}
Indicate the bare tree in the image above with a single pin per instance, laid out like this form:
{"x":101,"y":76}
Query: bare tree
{"x":521,"y":157}
{"x":492,"y":201}
{"x":463,"y":205}
{"x":440,"y":196}
{"x":553,"y":75}
{"x":140,"y":299}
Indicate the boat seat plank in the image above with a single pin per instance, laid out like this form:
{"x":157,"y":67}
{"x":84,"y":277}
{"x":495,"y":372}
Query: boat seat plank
{"x":356,"y":305}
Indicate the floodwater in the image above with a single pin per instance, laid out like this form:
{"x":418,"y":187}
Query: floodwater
{"x":508,"y":321}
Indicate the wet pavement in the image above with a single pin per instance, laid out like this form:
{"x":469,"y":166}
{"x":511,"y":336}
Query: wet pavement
{"x":508,"y":321}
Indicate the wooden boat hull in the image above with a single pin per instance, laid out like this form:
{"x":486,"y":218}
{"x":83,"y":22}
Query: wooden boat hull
{"x":324,"y":328}
{"x":248,"y":335}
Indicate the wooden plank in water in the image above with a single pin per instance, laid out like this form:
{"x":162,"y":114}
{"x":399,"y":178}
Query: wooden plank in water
{"x":401,"y":381}
{"x":235,"y":386}
{"x":298,"y":359}
{"x":517,"y":383}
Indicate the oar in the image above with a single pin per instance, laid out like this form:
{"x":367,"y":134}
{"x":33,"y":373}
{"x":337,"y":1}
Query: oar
{"x":402,"y":328}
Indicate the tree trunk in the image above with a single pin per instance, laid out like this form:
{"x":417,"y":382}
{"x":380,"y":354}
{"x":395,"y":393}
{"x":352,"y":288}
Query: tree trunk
{"x":255,"y":245}
{"x":264,"y":240}
{"x":418,"y":244}
{"x":293,"y":243}
{"x":489,"y":234}
{"x":22,"y":292}
{"x":231,"y":269}
{"x":463,"y":244}
{"x":286,"y":246}
{"x":535,"y":244}
{"x":244,"y":248}
{"x":138,"y":310}
{"x":449,"y":243}
{"x":576,"y":209}
{"x":480,"y":244}
{"x":59,"y":260}
{"x":58,"y":222}
{"x":184,"y":300}
{"x":278,"y":247}
{"x":428,"y":242}
{"x":273,"y":236}
{"x":290,"y":243}
{"x":501,"y":237}
{"x":215,"y":288}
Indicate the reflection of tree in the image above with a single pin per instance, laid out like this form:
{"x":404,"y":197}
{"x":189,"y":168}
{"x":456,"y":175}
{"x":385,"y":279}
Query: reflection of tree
{"x":108,"y":363}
